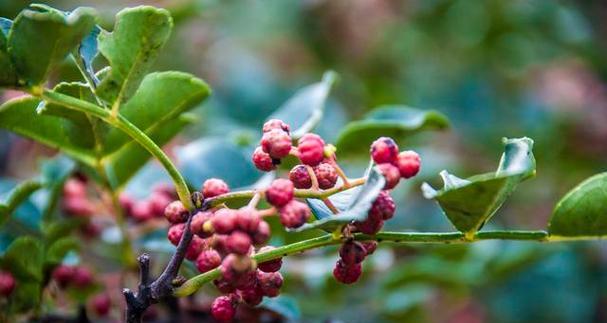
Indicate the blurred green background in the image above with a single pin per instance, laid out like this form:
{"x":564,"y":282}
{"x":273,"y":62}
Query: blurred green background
{"x":495,"y":68}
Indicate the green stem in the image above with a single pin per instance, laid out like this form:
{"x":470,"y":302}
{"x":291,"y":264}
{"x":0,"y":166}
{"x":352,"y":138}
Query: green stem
{"x":195,"y":283}
{"x":131,"y":130}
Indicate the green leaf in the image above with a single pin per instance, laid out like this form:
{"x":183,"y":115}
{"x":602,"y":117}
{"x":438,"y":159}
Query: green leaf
{"x":39,"y":40}
{"x":357,"y":209}
{"x":24,"y":258}
{"x":583,"y":211}
{"x":305,"y":108}
{"x":58,"y":229}
{"x":214,"y":157}
{"x":20,"y":116}
{"x":160,"y":99}
{"x":8,"y":77}
{"x":59,"y":248}
{"x":25,"y":296}
{"x":88,"y":51}
{"x":138,"y":36}
{"x":17,"y":196}
{"x":469,"y":203}
{"x":396,"y":121}
{"x":126,"y":162}
{"x":78,"y":125}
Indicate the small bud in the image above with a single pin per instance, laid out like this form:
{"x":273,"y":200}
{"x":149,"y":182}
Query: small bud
{"x":408,"y":163}
{"x":276,"y":143}
{"x":384,"y":150}
{"x":269,"y":283}
{"x":7,"y":283}
{"x":311,"y":149}
{"x":300,"y":177}
{"x":347,"y":274}
{"x":208,"y":260}
{"x":280,"y":192}
{"x":326,"y":175}
{"x":101,"y":304}
{"x":223,"y":309}
{"x":213,"y":187}
{"x":294,"y":214}
{"x":352,"y":252}
{"x":262,"y":160}
{"x":175,"y":212}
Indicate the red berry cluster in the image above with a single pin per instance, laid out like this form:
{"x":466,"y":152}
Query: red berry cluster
{"x":72,"y":276}
{"x":150,"y":208}
{"x":226,"y":238}
{"x":7,"y":283}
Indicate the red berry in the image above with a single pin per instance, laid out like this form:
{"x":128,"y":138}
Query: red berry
{"x":384,"y":150}
{"x":294,"y":214}
{"x":269,"y":266}
{"x":101,"y":304}
{"x":159,"y":201}
{"x":195,"y":248}
{"x":207,"y":260}
{"x":347,"y":274}
{"x":252,"y":296}
{"x":74,"y":188}
{"x":238,"y":243}
{"x":276,"y":143}
{"x":197,"y":224}
{"x":370,"y":226}
{"x":234,"y":267}
{"x":391,"y":174}
{"x":223,"y":309}
{"x":275,"y":124}
{"x":142,"y":211}
{"x":7,"y":283}
{"x":300,"y":177}
{"x":78,"y":206}
{"x":263,"y":233}
{"x":311,"y":149}
{"x":269,"y":283}
{"x":63,"y":275}
{"x":262,"y":160}
{"x":352,"y":252}
{"x":247,"y":220}
{"x":224,"y":286}
{"x":213,"y":187}
{"x":126,"y":202}
{"x":280,"y":192}
{"x":175,"y":212}
{"x":383,"y":207}
{"x":326,"y":175}
{"x":408,"y":163}
{"x":82,"y":277}
{"x":370,"y":247}
{"x":175,"y":233}
{"x":224,"y":221}
{"x":246,"y":280}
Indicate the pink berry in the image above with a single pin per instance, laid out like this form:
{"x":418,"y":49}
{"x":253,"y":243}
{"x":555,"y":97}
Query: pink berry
{"x":238,"y":243}
{"x":311,"y":149}
{"x":384,"y":150}
{"x":82,"y":277}
{"x":370,"y":226}
{"x":207,"y":260}
{"x":175,"y":233}
{"x":326,"y":175}
{"x":352,"y":252}
{"x":224,"y":286}
{"x":74,"y":188}
{"x":223,"y":309}
{"x":142,"y":211}
{"x":213,"y":187}
{"x":175,"y":212}
{"x":269,"y":283}
{"x":63,"y":275}
{"x":262,"y":160}
{"x":159,"y":202}
{"x":383,"y":207}
{"x":234,"y":267}
{"x":247,"y":220}
{"x":78,"y":206}
{"x":262,"y":234}
{"x":280,"y":192}
{"x":252,"y":296}
{"x":370,"y":247}
{"x":300,"y":177}
{"x":294,"y":214}
{"x":275,"y":124}
{"x":347,"y":274}
{"x":126,"y":202}
{"x":7,"y":283}
{"x":391,"y":174}
{"x":195,"y":248}
{"x":197,"y":224}
{"x":224,"y":221}
{"x":276,"y":143}
{"x":101,"y":304}
{"x":408,"y":163}
{"x":272,"y":265}
{"x":246,"y":280}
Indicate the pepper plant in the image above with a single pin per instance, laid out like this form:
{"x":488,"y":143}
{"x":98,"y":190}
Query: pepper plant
{"x":108,"y":125}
